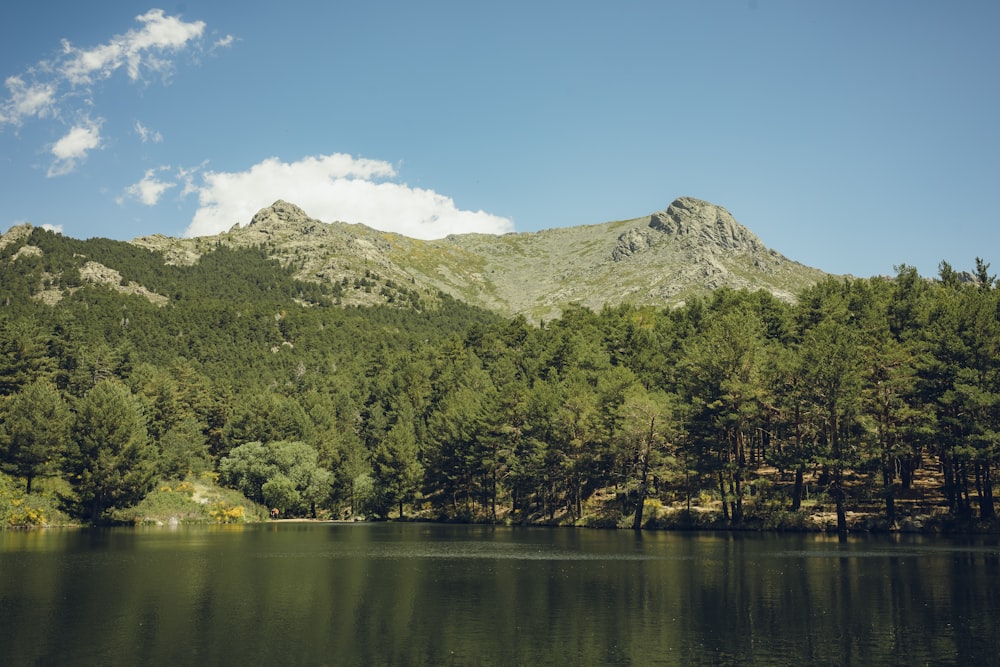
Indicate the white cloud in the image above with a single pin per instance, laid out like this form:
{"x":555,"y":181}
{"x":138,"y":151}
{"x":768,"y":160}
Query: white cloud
{"x":150,"y":188}
{"x":335,"y":187}
{"x":74,"y":146}
{"x":224,"y":42}
{"x":146,"y":135}
{"x":25,"y":101}
{"x":136,"y":50}
{"x":63,"y":86}
{"x":58,"y":229}
{"x":186,"y":175}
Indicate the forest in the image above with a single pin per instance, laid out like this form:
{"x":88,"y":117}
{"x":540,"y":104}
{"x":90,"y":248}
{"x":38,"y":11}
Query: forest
{"x":869,"y":404}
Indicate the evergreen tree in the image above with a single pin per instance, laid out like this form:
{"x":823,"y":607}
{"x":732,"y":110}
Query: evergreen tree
{"x":110,"y":462}
{"x":24,"y":355}
{"x":723,"y":383}
{"x":395,"y":464}
{"x":575,"y":440}
{"x":454,"y":428}
{"x":265,"y":416}
{"x":183,"y":450}
{"x":36,"y":424}
{"x":831,"y":369}
{"x":963,"y":380}
{"x":647,"y":432}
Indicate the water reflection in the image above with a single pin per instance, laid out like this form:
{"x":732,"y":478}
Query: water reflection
{"x":431,"y":594}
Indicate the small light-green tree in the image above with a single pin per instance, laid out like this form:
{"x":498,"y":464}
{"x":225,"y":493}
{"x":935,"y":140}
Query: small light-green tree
{"x":284,"y":475}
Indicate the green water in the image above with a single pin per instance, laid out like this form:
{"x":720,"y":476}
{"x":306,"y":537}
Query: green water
{"x":418,"y":594}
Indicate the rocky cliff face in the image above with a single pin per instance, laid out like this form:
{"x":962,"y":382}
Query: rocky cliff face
{"x":695,"y":221}
{"x":690,"y":248}
{"x":692,"y":224}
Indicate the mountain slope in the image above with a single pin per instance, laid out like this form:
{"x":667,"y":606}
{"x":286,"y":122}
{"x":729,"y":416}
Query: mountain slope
{"x":691,"y":248}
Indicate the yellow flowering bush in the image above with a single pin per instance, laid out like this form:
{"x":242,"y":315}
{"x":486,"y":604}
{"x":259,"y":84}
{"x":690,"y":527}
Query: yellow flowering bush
{"x":222,"y":512}
{"x":19,"y":510}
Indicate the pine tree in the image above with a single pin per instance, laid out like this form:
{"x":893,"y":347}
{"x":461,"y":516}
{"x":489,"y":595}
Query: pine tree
{"x":110,"y":462}
{"x":397,"y":469}
{"x":36,"y":424}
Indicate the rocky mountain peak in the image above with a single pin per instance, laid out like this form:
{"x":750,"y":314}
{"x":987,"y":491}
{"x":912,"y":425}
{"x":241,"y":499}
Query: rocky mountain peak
{"x":692,"y":224}
{"x":280,"y":213}
{"x":16,"y":234}
{"x":699,"y":220}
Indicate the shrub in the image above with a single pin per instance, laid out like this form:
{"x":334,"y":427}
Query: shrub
{"x":223,"y":512}
{"x":164,"y":505}
{"x":190,"y":502}
{"x":21,"y":510}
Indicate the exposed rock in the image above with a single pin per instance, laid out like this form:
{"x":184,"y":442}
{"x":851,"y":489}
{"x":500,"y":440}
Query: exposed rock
{"x":15,"y":234}
{"x":28,"y":251}
{"x":47,"y":293}
{"x":172,"y":249}
{"x":631,"y":242}
{"x":99,"y":274}
{"x":280,"y":213}
{"x":691,"y":218}
{"x":49,"y":296}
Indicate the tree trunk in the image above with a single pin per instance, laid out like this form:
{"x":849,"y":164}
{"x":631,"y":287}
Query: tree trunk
{"x":889,"y":492}
{"x":722,"y":492}
{"x":964,"y":503}
{"x":838,"y":494}
{"x":736,"y":481}
{"x":493,"y":495}
{"x":907,"y":465}
{"x":640,"y":506}
{"x":838,"y":473}
{"x":637,"y":521}
{"x":986,"y":511}
{"x":948,"y":470}
{"x":687,"y":486}
{"x":738,"y":491}
{"x":797,"y":490}
{"x":800,"y":470}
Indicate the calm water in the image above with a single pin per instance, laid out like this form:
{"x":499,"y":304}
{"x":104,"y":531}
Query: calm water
{"x":415,"y":594}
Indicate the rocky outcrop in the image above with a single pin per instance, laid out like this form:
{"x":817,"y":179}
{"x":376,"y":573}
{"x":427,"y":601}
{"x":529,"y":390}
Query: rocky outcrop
{"x":27,"y":251}
{"x":695,"y":220}
{"x":15,"y":234}
{"x":281,"y":213}
{"x":632,"y":242}
{"x":697,"y":225}
{"x":99,"y":274}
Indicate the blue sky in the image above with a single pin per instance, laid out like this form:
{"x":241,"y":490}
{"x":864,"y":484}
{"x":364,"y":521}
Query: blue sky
{"x":851,"y":136}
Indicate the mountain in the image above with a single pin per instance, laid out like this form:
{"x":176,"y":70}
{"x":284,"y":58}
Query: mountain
{"x":690,"y":248}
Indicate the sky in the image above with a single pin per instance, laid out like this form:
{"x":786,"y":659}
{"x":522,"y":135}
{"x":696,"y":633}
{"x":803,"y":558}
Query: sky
{"x":852,"y":136}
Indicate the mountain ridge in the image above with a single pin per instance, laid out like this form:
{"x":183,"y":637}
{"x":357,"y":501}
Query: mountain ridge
{"x":688,"y":249}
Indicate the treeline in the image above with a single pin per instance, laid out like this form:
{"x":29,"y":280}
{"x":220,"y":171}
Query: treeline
{"x":739,"y":402}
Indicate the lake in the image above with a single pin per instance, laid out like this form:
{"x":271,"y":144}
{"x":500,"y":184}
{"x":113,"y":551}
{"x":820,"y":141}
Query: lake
{"x":428,"y":594}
